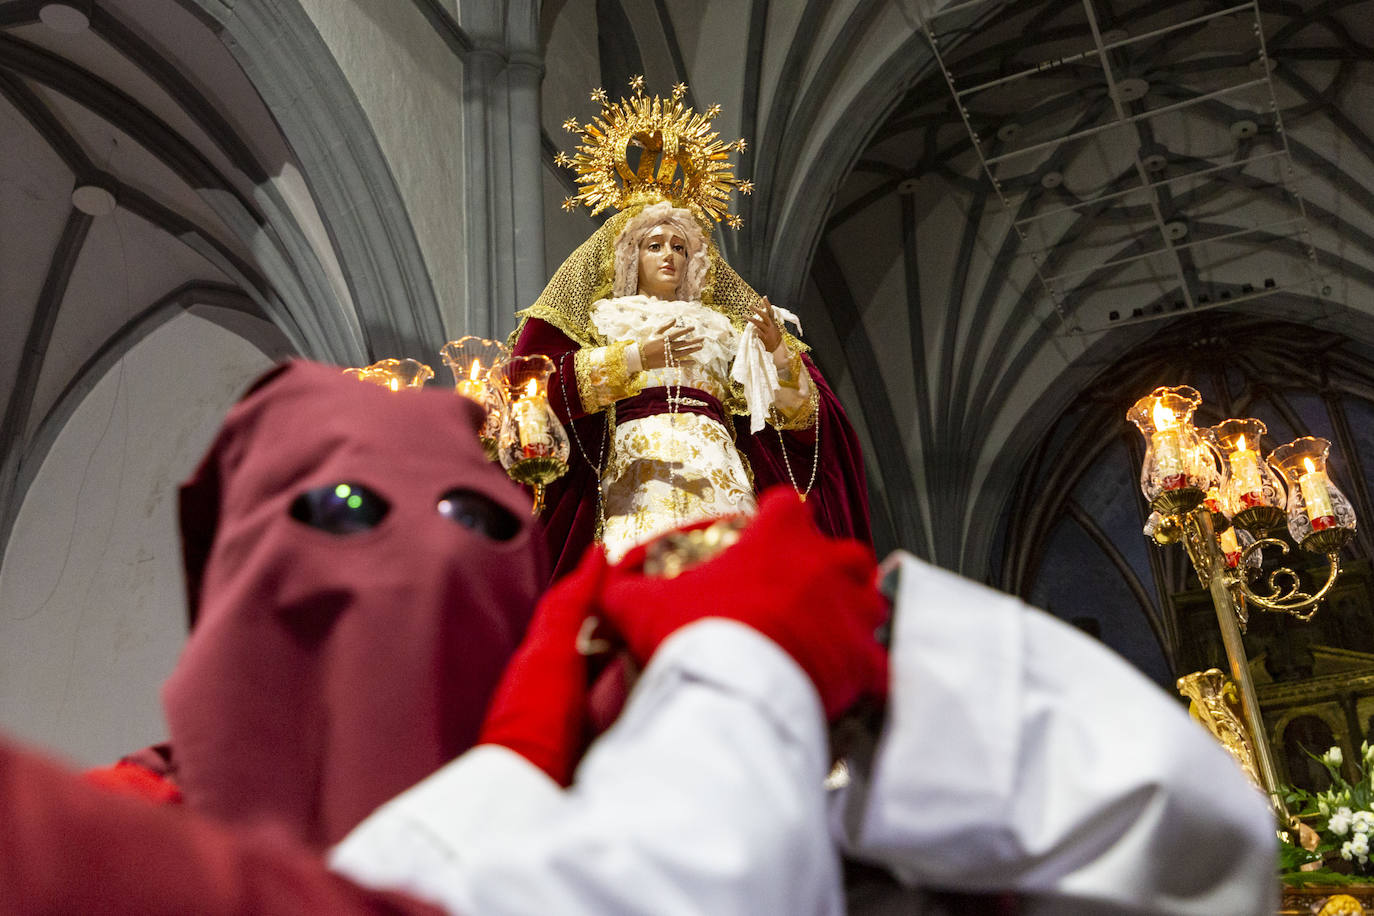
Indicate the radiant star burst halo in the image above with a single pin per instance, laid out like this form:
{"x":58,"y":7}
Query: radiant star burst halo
{"x":681,"y":158}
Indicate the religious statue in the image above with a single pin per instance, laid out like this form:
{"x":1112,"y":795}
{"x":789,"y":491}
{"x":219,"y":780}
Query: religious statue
{"x":684,"y":394}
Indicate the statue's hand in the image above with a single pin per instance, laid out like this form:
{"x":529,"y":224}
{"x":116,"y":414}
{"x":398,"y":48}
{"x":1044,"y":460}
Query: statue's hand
{"x":766,"y":323}
{"x":669,"y":341}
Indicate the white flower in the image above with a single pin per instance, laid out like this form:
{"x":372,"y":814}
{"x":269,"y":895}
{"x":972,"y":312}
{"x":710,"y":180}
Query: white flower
{"x":1362,"y":821}
{"x":1333,"y":757}
{"x":1367,"y":753}
{"x":1359,"y":844}
{"x":1323,"y":807}
{"x":1345,"y":851}
{"x":1362,"y":859}
{"x":1339,"y":824}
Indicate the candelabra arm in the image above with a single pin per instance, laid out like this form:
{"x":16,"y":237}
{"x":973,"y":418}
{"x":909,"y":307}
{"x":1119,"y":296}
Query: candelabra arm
{"x":1285,"y":592}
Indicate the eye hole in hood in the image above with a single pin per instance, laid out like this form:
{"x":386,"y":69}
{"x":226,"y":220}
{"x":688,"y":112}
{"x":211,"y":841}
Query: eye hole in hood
{"x":478,"y":513}
{"x":342,"y":508}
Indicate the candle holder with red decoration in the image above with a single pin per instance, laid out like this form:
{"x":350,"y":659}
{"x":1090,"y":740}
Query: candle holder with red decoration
{"x":1179,"y":468}
{"x":470,"y":360}
{"x":1320,"y":517}
{"x":1252,"y":495}
{"x":532,"y":444}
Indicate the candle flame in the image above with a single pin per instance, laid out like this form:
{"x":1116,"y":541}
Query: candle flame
{"x":395,"y":384}
{"x":1311,"y":468}
{"x":476,"y":368}
{"x":531,"y":388}
{"x":1240,"y":444}
{"x":1164,"y":417}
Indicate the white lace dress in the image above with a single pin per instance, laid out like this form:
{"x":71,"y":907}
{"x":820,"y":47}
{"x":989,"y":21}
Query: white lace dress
{"x":671,"y":469}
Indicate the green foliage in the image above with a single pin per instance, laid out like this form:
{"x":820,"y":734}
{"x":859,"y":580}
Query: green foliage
{"x":1343,"y":819}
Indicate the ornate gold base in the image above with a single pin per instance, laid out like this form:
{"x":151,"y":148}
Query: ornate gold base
{"x":1351,"y":900}
{"x":1176,"y":502}
{"x":1215,"y":704}
{"x":537,"y":470}
{"x":1328,"y":541}
{"x":1259,"y":520}
{"x":489,"y":448}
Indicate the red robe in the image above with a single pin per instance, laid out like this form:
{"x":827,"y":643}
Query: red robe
{"x":67,"y":847}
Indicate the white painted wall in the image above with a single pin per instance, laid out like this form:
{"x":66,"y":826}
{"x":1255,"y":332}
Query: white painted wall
{"x":410,"y":86}
{"x":92,"y":607}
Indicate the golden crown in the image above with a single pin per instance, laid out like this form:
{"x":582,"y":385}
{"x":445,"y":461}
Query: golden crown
{"x":681,"y":159}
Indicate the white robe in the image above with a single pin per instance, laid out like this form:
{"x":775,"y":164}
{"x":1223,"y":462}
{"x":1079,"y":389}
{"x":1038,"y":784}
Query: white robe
{"x":1018,"y":755}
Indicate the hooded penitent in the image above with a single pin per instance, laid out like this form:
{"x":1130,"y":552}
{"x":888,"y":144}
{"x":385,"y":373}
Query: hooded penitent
{"x":359,"y":575}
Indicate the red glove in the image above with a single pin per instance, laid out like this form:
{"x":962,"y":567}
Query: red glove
{"x":136,"y":780}
{"x":813,"y":596}
{"x":539,"y":709}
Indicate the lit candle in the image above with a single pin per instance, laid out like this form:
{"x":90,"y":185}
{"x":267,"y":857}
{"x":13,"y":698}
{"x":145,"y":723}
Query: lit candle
{"x":1168,"y":448}
{"x":471,"y":387}
{"x":395,"y":383}
{"x":1230,"y":547}
{"x":1212,"y":501}
{"x":1317,"y":498}
{"x":1245,"y":475}
{"x":529,"y":421}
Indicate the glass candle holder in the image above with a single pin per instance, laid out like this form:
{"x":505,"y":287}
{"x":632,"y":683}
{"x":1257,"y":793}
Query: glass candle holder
{"x":532,"y":445}
{"x":1320,"y":517}
{"x":394,"y":374}
{"x":1179,"y":467}
{"x":470,"y":360}
{"x":1251,"y":493}
{"x":1233,"y":542}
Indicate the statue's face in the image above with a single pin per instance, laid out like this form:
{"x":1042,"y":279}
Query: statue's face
{"x":662,"y":262}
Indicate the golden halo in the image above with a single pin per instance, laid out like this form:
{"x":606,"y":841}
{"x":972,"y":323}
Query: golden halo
{"x":681,"y":158}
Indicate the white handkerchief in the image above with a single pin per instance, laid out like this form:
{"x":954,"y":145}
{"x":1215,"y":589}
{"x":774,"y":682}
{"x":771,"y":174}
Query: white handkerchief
{"x":755,"y":371}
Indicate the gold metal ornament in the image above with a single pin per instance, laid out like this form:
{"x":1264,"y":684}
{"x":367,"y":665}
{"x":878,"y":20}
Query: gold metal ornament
{"x":678,"y":551}
{"x":681,"y":159}
{"x":1342,"y":905}
{"x":1215,"y":704}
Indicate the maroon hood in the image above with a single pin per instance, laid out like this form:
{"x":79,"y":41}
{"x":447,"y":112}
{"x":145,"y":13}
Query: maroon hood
{"x":332,"y":664}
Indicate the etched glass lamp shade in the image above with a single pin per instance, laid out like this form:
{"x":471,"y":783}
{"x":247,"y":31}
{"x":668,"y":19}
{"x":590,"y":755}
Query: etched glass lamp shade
{"x":1320,"y":517}
{"x":1252,"y":494}
{"x":532,"y":444}
{"x":1179,"y":467}
{"x":470,"y":360}
{"x":394,"y":374}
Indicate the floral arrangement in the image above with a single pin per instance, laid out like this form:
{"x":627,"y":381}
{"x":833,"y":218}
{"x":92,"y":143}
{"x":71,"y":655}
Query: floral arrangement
{"x":1333,"y":844}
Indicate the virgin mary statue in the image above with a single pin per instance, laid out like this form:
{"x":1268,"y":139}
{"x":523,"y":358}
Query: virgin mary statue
{"x":683,"y":393}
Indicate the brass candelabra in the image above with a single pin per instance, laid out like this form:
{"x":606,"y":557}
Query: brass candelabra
{"x":1211,"y":490}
